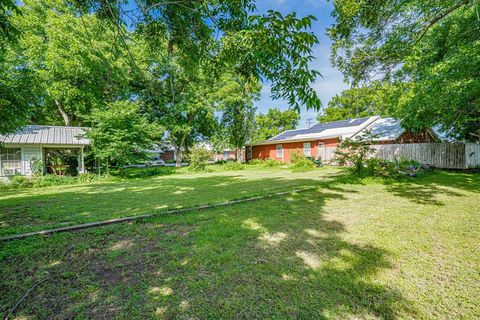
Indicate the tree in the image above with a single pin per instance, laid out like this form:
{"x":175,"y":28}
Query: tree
{"x":8,"y":32}
{"x":120,"y":134}
{"x":70,"y":64}
{"x":427,"y":50}
{"x":235,"y":97}
{"x":15,"y":83}
{"x":226,"y":33}
{"x":178,"y":98}
{"x":274,"y":122}
{"x":357,"y":102}
{"x":238,"y":119}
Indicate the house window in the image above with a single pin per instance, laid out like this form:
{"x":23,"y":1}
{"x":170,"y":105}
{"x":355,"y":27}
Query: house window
{"x":10,"y":161}
{"x":279,"y":151}
{"x":249,"y":153}
{"x":226,"y":155}
{"x":306,"y":149}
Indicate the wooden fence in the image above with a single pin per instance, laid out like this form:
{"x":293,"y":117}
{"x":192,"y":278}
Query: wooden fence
{"x":439,"y":155}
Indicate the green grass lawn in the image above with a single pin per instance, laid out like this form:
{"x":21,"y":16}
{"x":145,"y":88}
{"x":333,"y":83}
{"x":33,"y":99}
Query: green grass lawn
{"x":350,"y":249}
{"x":43,"y":208}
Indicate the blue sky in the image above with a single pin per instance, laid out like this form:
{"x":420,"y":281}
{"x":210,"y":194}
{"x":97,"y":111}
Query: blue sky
{"x":332,"y":81}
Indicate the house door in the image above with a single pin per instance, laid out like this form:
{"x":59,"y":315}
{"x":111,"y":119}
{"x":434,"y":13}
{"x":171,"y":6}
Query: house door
{"x":322,"y":151}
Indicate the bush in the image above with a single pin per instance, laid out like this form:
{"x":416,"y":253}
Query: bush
{"x":255,"y":162}
{"x":271,"y":163}
{"x":53,"y":180}
{"x":300,"y":162}
{"x":170,"y":161}
{"x":199,"y":159}
{"x":393,"y":169}
{"x":354,"y":153}
{"x":20,"y":182}
{"x":36,"y":166}
{"x":144,"y":172}
{"x":233,"y":166}
{"x":268,"y":163}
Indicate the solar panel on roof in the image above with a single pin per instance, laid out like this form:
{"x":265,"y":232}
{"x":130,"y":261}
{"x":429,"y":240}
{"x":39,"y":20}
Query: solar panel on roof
{"x":319,"y":127}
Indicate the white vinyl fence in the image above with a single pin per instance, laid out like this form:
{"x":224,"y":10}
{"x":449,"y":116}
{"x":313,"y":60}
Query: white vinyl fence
{"x":439,"y":155}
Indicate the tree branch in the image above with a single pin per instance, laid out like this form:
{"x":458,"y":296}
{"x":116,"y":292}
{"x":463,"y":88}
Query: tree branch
{"x":436,"y":19}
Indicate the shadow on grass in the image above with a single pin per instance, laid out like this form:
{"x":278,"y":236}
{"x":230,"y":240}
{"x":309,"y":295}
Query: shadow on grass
{"x":102,"y":201}
{"x":428,"y":188}
{"x":276,"y":258}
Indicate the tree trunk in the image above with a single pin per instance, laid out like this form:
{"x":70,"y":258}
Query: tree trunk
{"x":178,"y":156}
{"x":64,"y":115}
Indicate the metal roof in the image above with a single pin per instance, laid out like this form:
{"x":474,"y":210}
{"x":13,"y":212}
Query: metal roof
{"x":342,"y":128}
{"x":384,"y":129}
{"x":35,"y":134}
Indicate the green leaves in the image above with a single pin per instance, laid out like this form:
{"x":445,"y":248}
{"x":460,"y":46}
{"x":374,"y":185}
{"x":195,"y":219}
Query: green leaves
{"x":426,"y":52}
{"x":225,"y":34}
{"x":371,"y":100}
{"x":277,"y":49}
{"x":121,"y":135}
{"x":274,"y":122}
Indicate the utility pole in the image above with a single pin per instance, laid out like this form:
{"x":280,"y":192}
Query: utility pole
{"x":309,"y":122}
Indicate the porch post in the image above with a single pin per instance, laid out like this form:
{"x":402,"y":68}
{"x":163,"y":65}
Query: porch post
{"x":82,"y":163}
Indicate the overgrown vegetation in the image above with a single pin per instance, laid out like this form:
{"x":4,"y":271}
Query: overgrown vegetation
{"x":267,"y":163}
{"x":21,"y":182}
{"x":199,"y":158}
{"x":299,"y":162}
{"x":356,"y":153}
{"x":233,"y":166}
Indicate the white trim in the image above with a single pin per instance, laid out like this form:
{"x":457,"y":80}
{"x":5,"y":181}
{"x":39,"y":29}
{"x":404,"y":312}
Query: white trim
{"x":309,"y":153}
{"x":279,"y":149}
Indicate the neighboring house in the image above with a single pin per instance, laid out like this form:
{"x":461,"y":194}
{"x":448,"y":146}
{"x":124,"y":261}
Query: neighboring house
{"x":167,"y":153}
{"x":315,"y":140}
{"x":39,"y":142}
{"x":226,"y":154}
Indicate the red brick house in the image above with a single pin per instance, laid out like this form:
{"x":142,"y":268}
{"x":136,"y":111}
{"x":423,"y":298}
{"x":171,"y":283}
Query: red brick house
{"x":315,"y":140}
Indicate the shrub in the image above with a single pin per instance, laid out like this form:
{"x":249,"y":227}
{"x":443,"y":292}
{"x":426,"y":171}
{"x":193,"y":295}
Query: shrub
{"x":233,"y":166}
{"x":393,"y":169}
{"x":144,"y":172}
{"x":354,"y":153}
{"x":255,"y":162}
{"x":20,"y":182}
{"x":267,"y":163}
{"x":199,"y":159}
{"x":36,"y":166}
{"x":271,"y":163}
{"x":53,"y":180}
{"x":300,"y":162}
{"x":170,"y":161}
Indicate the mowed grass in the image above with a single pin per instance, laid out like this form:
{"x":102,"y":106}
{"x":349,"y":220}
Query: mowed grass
{"x":355,"y":249}
{"x":44,"y":208}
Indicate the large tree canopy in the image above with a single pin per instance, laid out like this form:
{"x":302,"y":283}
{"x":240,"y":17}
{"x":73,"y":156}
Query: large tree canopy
{"x":357,"y":102}
{"x":429,"y":50}
{"x":74,"y":62}
{"x":226,"y":33}
{"x":274,"y":122}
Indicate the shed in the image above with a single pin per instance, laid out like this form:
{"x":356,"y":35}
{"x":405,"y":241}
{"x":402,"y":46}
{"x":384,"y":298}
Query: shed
{"x":21,"y":148}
